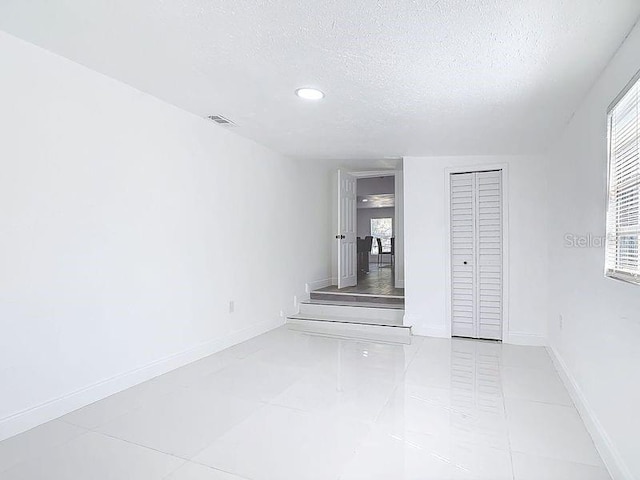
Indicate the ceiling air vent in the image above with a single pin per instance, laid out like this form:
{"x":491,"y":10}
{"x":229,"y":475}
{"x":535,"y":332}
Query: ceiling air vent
{"x":219,"y":119}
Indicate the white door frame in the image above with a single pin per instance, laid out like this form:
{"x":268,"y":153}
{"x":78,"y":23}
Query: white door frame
{"x":398,"y":225}
{"x":504,"y":167}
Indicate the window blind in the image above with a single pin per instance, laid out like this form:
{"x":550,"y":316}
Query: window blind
{"x":623,"y":210}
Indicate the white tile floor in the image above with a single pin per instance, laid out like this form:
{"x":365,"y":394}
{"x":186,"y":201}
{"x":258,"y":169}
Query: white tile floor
{"x":287,"y":405}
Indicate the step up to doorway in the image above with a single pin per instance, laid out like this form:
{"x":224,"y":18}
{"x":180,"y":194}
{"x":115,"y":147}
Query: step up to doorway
{"x":363,"y":313}
{"x":347,"y":303}
{"x":389,"y":301}
{"x":351,"y":329}
{"x":353,"y":321}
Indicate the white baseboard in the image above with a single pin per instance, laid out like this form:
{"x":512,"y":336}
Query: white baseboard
{"x":434,"y":331}
{"x":316,"y":284}
{"x":609,"y":453}
{"x":443,"y":331}
{"x":515,"y":338}
{"x":418,"y":327}
{"x":410,"y":320}
{"x":334,"y":280}
{"x":32,"y":417}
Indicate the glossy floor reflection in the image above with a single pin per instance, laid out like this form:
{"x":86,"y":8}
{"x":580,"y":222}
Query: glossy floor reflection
{"x":288,"y":405}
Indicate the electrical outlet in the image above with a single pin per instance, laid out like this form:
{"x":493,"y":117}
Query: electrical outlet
{"x":232,"y":306}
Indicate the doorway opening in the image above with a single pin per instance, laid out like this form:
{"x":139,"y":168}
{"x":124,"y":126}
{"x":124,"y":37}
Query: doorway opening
{"x":370,"y":254}
{"x":375,"y":220}
{"x":366,"y":298}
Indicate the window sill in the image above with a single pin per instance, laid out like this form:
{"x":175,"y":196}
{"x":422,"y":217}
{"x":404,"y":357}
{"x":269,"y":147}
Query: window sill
{"x":623,"y":277}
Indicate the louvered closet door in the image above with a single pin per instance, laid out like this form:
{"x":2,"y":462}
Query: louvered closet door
{"x":489,"y":258}
{"x":476,"y":250}
{"x":463,"y":251}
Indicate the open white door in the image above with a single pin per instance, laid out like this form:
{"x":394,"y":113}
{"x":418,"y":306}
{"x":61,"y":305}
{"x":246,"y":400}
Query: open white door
{"x":347,"y":245}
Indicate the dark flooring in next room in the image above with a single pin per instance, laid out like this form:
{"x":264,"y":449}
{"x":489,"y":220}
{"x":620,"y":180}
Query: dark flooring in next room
{"x":379,"y":281}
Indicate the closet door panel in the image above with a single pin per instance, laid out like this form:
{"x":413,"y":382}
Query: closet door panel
{"x":476,"y":255}
{"x":489,"y":254}
{"x":463,"y":246}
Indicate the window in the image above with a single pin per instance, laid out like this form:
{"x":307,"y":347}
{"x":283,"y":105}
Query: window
{"x":381,"y":228}
{"x":623,"y":211}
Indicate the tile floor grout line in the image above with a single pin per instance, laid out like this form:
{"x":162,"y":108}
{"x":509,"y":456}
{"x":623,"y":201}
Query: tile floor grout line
{"x":130,"y":442}
{"x":261,"y":407}
{"x":175,"y":470}
{"x":85,"y":432}
{"x":131,"y":410}
{"x":241,"y":477}
{"x":506,"y":417}
{"x":195,"y":462}
{"x":552,"y":404}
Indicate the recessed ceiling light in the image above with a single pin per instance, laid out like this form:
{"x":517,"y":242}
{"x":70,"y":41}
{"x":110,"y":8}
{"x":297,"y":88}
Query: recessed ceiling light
{"x":365,"y":199}
{"x":309,"y":93}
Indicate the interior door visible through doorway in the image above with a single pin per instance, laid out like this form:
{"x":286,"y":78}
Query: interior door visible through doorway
{"x":476,"y":254}
{"x":347,"y":245}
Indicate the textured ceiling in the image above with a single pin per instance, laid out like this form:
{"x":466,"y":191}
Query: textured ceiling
{"x":401,"y":77}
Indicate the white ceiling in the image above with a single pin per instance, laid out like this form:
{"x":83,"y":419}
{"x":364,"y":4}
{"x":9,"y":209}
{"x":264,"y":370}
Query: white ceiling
{"x":405,"y":77}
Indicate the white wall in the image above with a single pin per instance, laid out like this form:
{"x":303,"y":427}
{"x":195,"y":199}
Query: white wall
{"x":127,"y":227}
{"x":426,"y":243}
{"x":599,"y":342}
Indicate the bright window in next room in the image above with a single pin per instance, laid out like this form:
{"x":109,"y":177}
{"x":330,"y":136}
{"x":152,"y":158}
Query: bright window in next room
{"x":381,"y":228}
{"x":623,"y":211}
